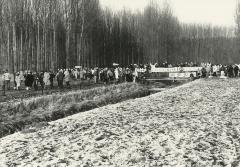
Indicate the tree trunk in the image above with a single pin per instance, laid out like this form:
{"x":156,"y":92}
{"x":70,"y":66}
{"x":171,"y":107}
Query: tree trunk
{"x":14,"y":50}
{"x":8,"y":50}
{"x":38,"y":60}
{"x":21,"y":50}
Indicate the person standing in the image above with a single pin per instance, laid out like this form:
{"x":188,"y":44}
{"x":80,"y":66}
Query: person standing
{"x":3,"y":81}
{"x":230,"y":71}
{"x":40,"y":78}
{"x":116,"y":72}
{"x":18,"y":81}
{"x":31,"y":79}
{"x":81,"y":73}
{"x":21,"y":75}
{"x":84,"y":71}
{"x":36,"y":80}
{"x":110,"y":75}
{"x":60,"y":77}
{"x":51,"y":78}
{"x":105,"y":76}
{"x":135,"y":75}
{"x":204,"y":72}
{"x":215,"y":70}
{"x":46,"y":80}
{"x":208,"y":70}
{"x":129,"y":77}
{"x":96,"y":75}
{"x":28,"y":81}
{"x":236,"y":70}
{"x":121,"y":74}
{"x":67,"y":78}
{"x":6,"y":79}
{"x":222,"y":71}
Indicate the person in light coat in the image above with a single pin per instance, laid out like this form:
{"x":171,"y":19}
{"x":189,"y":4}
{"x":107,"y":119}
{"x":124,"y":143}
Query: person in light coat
{"x":116,"y":72}
{"x":18,"y":81}
{"x":46,"y":79}
{"x":135,"y":75}
{"x":76,"y":73}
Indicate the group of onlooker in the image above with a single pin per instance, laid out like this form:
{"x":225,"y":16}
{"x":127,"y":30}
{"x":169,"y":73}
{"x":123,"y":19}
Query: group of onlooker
{"x":34,"y":79}
{"x":207,"y":69}
{"x":28,"y":80}
{"x":45,"y":80}
{"x":117,"y":74}
{"x":219,"y":70}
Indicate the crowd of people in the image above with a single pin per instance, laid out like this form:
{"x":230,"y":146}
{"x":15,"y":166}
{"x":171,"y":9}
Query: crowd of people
{"x":210,"y":70}
{"x":207,"y":69}
{"x":45,"y":79}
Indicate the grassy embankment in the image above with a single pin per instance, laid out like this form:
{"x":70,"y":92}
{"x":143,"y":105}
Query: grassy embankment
{"x":38,"y":111}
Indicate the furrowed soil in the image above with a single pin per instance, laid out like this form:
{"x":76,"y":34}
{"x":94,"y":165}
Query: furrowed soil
{"x":196,"y":124}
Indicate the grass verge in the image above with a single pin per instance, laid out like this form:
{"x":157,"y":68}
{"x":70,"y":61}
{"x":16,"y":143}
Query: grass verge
{"x":38,"y":111}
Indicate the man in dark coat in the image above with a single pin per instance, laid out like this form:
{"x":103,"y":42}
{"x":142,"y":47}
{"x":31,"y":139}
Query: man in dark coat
{"x":230,"y":71}
{"x":52,"y":76}
{"x":29,"y":79}
{"x":236,"y":70}
{"x":204,"y":72}
{"x":129,"y":76}
{"x":36,"y":80}
{"x":60,"y":77}
{"x":41,"y":76}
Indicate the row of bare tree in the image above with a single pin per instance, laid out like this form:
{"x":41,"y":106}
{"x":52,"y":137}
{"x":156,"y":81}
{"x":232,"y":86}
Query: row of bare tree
{"x":50,"y":34}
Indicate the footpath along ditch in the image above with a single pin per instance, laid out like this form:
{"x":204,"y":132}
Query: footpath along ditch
{"x":196,"y":124}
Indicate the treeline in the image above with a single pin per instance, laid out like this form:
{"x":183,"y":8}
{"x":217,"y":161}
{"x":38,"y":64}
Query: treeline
{"x":50,"y":34}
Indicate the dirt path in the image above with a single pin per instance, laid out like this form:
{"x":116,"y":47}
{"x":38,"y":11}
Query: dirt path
{"x":196,"y":124}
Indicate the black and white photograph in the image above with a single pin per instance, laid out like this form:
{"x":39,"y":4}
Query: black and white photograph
{"x":119,"y":83}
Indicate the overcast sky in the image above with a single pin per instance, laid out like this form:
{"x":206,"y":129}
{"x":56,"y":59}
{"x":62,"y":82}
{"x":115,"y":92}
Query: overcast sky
{"x":215,"y":12}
